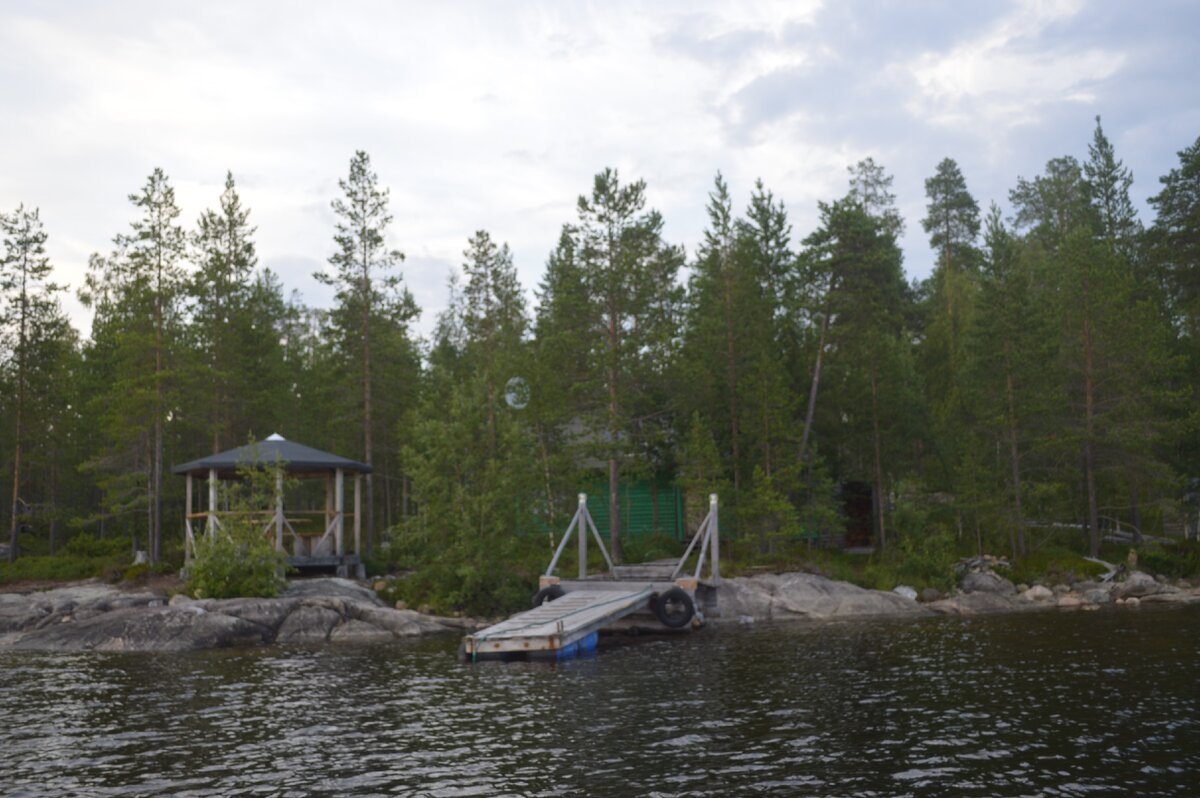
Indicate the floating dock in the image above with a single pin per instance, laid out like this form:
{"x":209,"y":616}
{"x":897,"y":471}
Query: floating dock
{"x":568,"y":615}
{"x":558,"y":627}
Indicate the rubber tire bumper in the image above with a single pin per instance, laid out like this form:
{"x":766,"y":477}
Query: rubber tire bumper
{"x":548,"y":593}
{"x":674,"y":608}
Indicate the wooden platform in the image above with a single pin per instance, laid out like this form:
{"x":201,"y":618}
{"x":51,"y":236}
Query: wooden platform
{"x":557,"y":625}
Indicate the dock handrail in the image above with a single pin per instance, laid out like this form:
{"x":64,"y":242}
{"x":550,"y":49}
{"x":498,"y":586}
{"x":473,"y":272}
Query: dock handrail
{"x":708,"y":535}
{"x":580,"y":523}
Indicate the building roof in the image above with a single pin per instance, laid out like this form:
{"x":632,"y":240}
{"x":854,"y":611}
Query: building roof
{"x":296,"y":457}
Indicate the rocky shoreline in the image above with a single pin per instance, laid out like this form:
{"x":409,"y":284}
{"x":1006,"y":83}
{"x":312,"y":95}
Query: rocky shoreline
{"x":800,"y":596}
{"x":95,"y":616}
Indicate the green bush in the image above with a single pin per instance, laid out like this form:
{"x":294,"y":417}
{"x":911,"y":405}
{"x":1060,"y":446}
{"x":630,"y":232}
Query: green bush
{"x":1053,"y":565}
{"x":240,"y":559}
{"x":1178,"y":559}
{"x":237,"y":561}
{"x":82,"y":557}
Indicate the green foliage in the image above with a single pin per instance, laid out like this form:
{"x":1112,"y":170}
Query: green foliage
{"x":240,"y":559}
{"x":1052,"y":565}
{"x":83,"y":557}
{"x":466,"y":578}
{"x":1178,"y":559}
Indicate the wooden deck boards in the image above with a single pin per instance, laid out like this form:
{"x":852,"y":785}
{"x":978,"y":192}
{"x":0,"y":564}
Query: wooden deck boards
{"x":559,"y":623}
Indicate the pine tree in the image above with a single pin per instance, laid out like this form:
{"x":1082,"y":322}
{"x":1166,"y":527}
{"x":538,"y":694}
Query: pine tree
{"x":372,"y":313}
{"x":952,"y":222}
{"x":29,"y":313}
{"x":220,"y":292}
{"x":873,"y":375}
{"x":627,"y":273}
{"x":1175,"y":241}
{"x":871,"y":187}
{"x":135,"y":293}
{"x":1008,"y":352}
{"x":1108,"y":183}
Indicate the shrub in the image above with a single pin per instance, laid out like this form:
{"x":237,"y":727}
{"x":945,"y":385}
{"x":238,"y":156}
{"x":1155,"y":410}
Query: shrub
{"x":1178,"y":559}
{"x":240,"y":560}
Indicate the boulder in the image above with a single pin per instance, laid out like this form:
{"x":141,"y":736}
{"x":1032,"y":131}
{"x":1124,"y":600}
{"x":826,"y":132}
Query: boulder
{"x":96,"y":616}
{"x":1069,"y":602}
{"x":975,"y":604}
{"x":400,"y":623}
{"x":1098,"y":596}
{"x":143,"y":629}
{"x":308,"y":624}
{"x":332,"y":587}
{"x":905,"y":591}
{"x":354,"y":631}
{"x":929,"y":594}
{"x":1038,"y":593}
{"x":987,"y":582}
{"x":800,"y":595}
{"x":1139,"y":584}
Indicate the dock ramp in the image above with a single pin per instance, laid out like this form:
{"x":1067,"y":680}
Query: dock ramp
{"x":568,"y":614}
{"x":562,"y":628}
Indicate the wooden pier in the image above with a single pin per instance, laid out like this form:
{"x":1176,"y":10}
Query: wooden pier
{"x":568,"y":614}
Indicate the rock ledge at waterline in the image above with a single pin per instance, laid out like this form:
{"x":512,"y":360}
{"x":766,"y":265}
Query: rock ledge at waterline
{"x":798,"y":596}
{"x":101,"y":617}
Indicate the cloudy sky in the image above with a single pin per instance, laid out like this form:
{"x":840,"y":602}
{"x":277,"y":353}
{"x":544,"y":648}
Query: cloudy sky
{"x":496,"y":115}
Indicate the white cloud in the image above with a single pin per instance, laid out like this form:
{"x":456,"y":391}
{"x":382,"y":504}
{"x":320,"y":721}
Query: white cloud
{"x":497,"y":116}
{"x":1002,"y":79}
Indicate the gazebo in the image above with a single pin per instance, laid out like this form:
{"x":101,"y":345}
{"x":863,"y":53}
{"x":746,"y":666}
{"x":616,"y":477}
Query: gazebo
{"x":324,"y":548}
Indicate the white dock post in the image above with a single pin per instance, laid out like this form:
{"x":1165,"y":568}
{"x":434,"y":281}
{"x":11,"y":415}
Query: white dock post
{"x":581,"y":532}
{"x":716,"y":539}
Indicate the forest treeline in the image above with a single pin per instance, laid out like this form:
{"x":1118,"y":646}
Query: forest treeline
{"x":1045,"y":373}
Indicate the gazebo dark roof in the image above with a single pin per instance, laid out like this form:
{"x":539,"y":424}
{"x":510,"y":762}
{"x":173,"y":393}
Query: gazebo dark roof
{"x":296,"y":457}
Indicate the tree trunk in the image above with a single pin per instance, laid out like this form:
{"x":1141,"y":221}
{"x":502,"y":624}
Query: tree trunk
{"x":1089,"y":454}
{"x":614,"y":502}
{"x":368,"y":441}
{"x":1014,"y":454}
{"x":1136,"y":500}
{"x":732,"y":377}
{"x":879,"y":504}
{"x":14,"y":529}
{"x":154,"y":544}
{"x":812,"y":391}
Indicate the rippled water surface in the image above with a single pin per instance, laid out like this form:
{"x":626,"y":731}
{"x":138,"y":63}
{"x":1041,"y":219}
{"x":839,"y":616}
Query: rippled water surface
{"x":1047,"y":704}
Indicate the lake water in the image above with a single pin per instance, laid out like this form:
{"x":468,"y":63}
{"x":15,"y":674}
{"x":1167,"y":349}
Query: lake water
{"x":1106,"y":703}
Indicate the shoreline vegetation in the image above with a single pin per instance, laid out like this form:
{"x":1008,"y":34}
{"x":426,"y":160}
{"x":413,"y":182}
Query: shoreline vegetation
{"x":96,"y":616}
{"x":1033,"y":396}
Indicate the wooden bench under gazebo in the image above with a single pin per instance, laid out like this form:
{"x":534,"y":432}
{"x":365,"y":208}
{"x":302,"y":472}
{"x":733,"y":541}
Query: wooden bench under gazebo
{"x":323,"y":548}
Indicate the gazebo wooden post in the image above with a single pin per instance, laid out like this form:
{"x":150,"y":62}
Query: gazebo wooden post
{"x":189,"y":539}
{"x":328,"y":506}
{"x":358,"y":514}
{"x":279,"y":509}
{"x":211,"y":519}
{"x":339,"y":509}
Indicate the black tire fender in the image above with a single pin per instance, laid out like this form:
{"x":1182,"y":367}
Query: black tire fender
{"x":548,"y":593}
{"x":674,"y":608}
